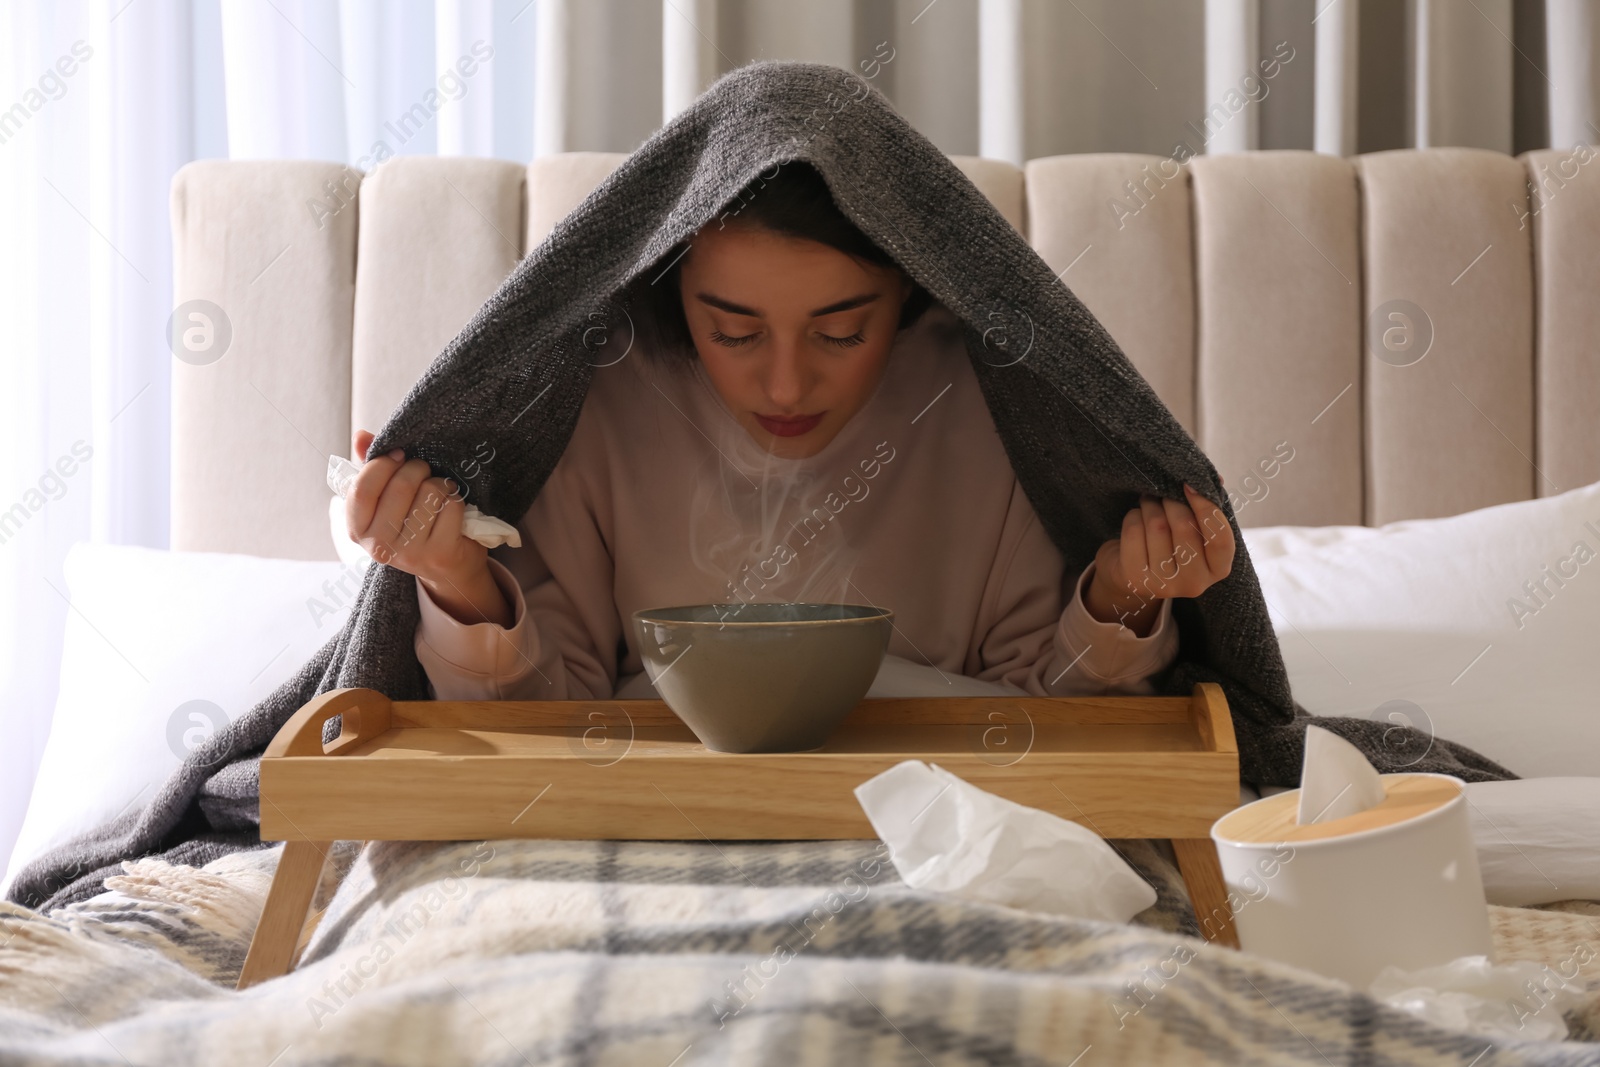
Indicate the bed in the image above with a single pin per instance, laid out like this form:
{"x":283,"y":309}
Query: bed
{"x":1390,"y":359}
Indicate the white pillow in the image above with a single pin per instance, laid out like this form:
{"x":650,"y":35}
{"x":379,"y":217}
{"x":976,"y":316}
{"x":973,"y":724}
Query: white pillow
{"x":1419,"y":621}
{"x":1538,"y":839}
{"x":161,"y":648}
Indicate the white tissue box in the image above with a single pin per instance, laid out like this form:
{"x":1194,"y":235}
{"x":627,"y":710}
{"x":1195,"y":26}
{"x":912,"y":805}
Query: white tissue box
{"x":1396,"y":884}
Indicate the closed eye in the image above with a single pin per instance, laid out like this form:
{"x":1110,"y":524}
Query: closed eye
{"x":846,"y":342}
{"x":731,"y":342}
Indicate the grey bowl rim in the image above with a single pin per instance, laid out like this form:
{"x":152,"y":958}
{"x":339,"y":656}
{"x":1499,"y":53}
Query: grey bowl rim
{"x":884,"y":615}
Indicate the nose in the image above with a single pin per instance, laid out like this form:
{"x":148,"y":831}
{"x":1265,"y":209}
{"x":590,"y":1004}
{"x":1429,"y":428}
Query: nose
{"x":788,"y":377}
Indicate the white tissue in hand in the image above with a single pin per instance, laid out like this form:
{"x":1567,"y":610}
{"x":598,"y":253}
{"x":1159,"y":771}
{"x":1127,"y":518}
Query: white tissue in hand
{"x":487,"y":530}
{"x":1335,"y":780}
{"x":948,"y":835}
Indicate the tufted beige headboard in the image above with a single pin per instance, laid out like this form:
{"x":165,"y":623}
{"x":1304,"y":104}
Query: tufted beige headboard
{"x":1256,"y":292}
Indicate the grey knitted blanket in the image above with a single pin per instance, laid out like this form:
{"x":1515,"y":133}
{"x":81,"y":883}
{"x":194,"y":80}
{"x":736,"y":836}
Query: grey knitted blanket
{"x":1084,"y":432}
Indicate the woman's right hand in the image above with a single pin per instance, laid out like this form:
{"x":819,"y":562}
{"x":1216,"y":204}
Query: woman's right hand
{"x":402,"y":516}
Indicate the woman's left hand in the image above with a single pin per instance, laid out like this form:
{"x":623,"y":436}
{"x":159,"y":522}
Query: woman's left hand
{"x":1167,"y":549}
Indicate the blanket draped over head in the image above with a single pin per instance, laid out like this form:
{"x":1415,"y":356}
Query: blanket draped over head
{"x":1084,"y":432}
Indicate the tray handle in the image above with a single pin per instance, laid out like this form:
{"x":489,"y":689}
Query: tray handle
{"x":1208,"y":710}
{"x":366,"y":713}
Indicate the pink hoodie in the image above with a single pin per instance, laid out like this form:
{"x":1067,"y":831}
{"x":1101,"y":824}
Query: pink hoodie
{"x":661,"y":498}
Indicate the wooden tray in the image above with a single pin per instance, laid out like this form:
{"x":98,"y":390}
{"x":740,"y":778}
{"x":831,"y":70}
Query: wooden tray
{"x":1126,"y":767}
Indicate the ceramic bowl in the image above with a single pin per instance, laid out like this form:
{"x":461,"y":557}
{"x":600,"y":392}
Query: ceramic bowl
{"x":762,"y":677}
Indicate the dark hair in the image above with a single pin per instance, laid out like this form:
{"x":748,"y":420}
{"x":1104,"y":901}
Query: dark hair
{"x":791,"y":199}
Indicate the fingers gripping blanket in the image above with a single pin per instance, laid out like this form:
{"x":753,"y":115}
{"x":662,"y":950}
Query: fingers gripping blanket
{"x":1084,"y":432}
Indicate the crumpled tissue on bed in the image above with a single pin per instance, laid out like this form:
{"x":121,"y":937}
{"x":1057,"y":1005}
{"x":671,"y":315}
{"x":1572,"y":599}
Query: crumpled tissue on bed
{"x":1522,"y":1000}
{"x":947,"y":835}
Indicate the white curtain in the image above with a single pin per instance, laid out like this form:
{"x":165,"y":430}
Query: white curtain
{"x":101,"y":101}
{"x":91,"y":131}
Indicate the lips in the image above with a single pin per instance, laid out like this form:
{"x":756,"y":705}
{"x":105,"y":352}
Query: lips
{"x":789,"y":427}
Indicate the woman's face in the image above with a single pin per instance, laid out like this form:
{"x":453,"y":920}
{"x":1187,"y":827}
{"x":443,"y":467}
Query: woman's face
{"x":793,"y":333}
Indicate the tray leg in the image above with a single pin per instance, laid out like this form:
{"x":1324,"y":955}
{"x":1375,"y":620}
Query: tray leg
{"x":1202,"y":873}
{"x":277,"y":935}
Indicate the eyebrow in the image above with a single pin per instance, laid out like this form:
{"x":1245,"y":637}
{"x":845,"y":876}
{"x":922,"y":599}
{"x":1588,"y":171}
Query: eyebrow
{"x":739,"y":309}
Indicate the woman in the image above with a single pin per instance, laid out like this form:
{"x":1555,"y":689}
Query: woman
{"x":955,"y":546}
{"x":797,"y":420}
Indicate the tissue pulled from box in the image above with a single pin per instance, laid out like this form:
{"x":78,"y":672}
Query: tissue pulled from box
{"x":487,"y":530}
{"x":947,"y":835}
{"x":1335,"y":779}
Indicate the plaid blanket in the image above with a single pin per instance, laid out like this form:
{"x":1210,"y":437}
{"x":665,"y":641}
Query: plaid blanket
{"x":674,"y":953}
